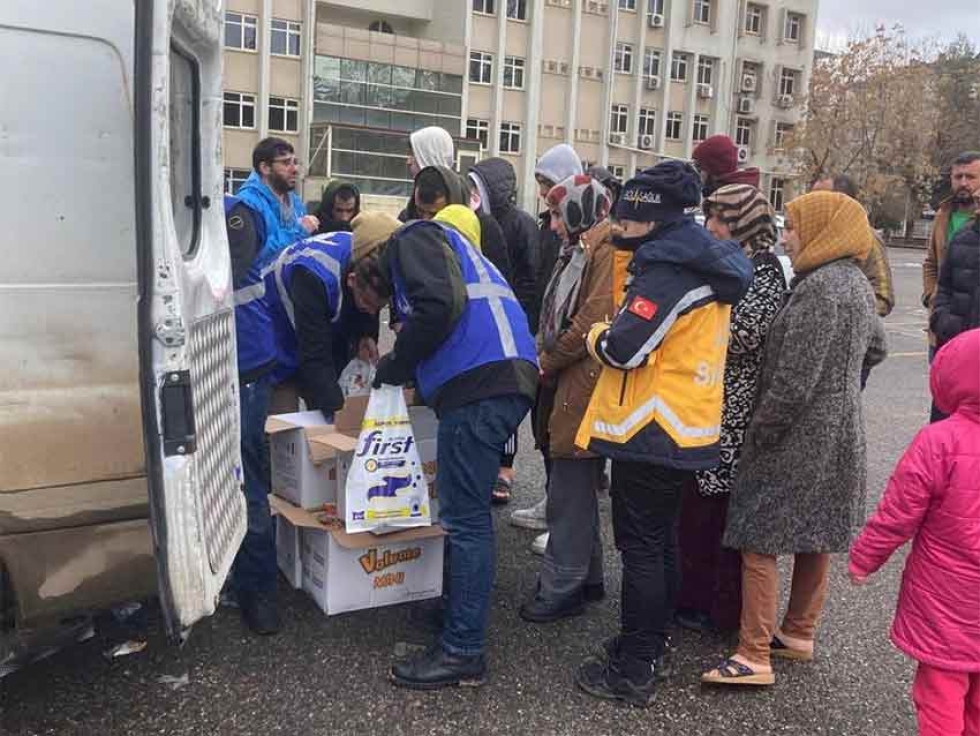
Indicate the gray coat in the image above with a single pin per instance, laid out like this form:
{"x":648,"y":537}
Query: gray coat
{"x":801,"y":482}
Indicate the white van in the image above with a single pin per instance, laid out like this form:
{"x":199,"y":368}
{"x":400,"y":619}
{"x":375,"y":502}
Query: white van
{"x":120,"y":471}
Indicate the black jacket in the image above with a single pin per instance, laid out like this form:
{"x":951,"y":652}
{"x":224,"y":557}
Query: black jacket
{"x":519,"y":228}
{"x":956,"y":308}
{"x":434,"y":286}
{"x":549,"y":247}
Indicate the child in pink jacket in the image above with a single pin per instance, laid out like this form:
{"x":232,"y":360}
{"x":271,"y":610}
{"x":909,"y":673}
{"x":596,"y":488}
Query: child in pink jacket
{"x":934,"y":496}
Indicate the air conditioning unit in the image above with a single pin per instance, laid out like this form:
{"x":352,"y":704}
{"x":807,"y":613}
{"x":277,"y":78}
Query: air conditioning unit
{"x":617,"y":139}
{"x":744,"y":154}
{"x":646,"y":142}
{"x":656,"y":20}
{"x":551,"y":66}
{"x":706,"y":91}
{"x":746,"y":105}
{"x":749,"y":83}
{"x":653,"y":82}
{"x":784,"y":100}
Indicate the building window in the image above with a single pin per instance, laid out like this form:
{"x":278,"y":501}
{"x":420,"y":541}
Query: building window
{"x":234,"y":178}
{"x":743,"y":132}
{"x":239,"y":111}
{"x":651,"y":62}
{"x":700,"y":130}
{"x":702,"y":11}
{"x":619,"y":119}
{"x":478,"y":130}
{"x":706,"y":68}
{"x":381,"y":26}
{"x":283,"y":115}
{"x":794,"y":27}
{"x":647,"y":122}
{"x":517,"y":9}
{"x":783,"y":132}
{"x":678,"y":67}
{"x":481,"y":67}
{"x":627,"y":5}
{"x":513,"y":72}
{"x":753,"y":19}
{"x":286,"y":37}
{"x":675,"y":125}
{"x":623,"y":58}
{"x":486,"y":7}
{"x":241,"y":32}
{"x":510,"y":138}
{"x":618,"y":171}
{"x":787,"y":82}
{"x":776,"y":193}
{"x":655,"y":7}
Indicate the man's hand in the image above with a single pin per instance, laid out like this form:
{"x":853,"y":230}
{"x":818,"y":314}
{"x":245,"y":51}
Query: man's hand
{"x":367,"y":350}
{"x":310,"y":223}
{"x":382,"y":373}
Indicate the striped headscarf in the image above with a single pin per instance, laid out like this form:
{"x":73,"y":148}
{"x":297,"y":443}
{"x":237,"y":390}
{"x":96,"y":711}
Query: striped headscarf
{"x":831,"y":226}
{"x":748,"y":215}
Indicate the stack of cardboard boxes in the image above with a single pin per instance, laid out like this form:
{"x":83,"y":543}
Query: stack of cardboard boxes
{"x":342,"y":571}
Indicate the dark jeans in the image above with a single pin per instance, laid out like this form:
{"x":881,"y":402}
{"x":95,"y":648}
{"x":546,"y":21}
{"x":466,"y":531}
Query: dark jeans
{"x":711,"y":575}
{"x":934,"y":414}
{"x":255,"y":564}
{"x":471,"y":441}
{"x":646,"y":502}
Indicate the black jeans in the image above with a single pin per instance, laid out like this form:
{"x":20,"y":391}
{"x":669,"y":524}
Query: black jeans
{"x":646,"y":504}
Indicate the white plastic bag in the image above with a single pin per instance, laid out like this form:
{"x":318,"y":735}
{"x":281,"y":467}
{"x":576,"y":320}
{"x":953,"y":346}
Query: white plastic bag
{"x":356,"y":378}
{"x":386,"y":488}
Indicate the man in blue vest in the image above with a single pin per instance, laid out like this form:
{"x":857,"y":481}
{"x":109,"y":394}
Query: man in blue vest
{"x":464,"y":341}
{"x":263,"y":219}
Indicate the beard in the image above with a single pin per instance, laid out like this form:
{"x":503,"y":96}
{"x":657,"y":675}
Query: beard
{"x":280,"y":184}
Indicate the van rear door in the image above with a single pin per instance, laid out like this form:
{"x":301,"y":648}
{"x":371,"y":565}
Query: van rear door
{"x":188,"y":371}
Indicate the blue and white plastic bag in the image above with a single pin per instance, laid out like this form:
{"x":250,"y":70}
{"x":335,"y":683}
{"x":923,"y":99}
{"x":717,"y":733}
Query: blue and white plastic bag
{"x":386,"y":488}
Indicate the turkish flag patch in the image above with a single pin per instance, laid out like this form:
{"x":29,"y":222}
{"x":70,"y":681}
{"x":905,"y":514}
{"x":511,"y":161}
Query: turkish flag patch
{"x":643,"y":308}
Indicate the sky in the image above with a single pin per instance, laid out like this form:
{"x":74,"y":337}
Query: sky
{"x":838,"y":20}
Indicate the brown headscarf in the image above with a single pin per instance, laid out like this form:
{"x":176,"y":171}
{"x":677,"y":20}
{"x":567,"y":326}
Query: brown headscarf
{"x":831,"y":226}
{"x":748,"y":215}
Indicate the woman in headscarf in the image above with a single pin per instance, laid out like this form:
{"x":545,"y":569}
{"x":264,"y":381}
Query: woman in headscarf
{"x":710,"y":594}
{"x":578,"y":295}
{"x":800,"y":487}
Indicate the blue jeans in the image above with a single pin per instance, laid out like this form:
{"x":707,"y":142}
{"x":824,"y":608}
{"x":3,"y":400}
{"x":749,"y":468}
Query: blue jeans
{"x":255,"y":564}
{"x":471,"y":441}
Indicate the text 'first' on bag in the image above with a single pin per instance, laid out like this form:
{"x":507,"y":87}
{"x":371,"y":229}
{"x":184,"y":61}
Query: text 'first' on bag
{"x":386,"y":487}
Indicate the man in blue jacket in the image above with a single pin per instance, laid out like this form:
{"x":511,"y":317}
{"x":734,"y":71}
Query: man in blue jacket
{"x":465,"y":342}
{"x":263,"y":219}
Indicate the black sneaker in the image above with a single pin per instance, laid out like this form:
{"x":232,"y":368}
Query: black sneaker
{"x":435,"y":668}
{"x":664,"y":666}
{"x":604,"y":679}
{"x":540,"y":611}
{"x":260,"y":611}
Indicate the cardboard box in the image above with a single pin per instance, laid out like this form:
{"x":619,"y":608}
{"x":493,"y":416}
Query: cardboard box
{"x":310,"y":458}
{"x":288,"y":551}
{"x":349,"y":572}
{"x":425,"y":427}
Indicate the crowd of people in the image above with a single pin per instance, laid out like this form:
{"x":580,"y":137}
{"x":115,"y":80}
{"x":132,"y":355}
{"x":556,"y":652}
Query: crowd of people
{"x":725,"y":401}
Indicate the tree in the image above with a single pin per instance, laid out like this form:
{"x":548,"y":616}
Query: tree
{"x":957,"y":85}
{"x":870,"y":115}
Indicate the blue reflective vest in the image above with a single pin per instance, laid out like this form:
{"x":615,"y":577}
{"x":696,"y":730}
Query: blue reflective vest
{"x":327,"y":257}
{"x":492,"y":327}
{"x":253,"y":324}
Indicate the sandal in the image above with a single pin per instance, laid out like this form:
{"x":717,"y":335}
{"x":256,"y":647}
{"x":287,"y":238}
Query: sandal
{"x":778,"y":648}
{"x":500,"y":495}
{"x":732,"y":672}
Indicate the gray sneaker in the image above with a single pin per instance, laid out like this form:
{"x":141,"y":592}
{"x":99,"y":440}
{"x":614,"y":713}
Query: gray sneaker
{"x":533,"y":517}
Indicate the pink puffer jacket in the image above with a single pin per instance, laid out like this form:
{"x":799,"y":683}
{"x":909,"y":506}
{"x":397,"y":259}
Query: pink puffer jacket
{"x":934,"y":495}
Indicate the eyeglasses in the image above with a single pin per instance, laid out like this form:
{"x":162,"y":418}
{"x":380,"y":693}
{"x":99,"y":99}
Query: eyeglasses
{"x":288,"y":161}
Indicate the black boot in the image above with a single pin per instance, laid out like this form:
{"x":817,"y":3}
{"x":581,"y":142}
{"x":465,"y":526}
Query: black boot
{"x":664,"y":666}
{"x":610,"y":680}
{"x":539,"y":611}
{"x":260,"y":611}
{"x":435,"y":668}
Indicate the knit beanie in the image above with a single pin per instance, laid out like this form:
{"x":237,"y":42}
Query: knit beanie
{"x":660,"y":193}
{"x":371,"y":231}
{"x":716,"y":155}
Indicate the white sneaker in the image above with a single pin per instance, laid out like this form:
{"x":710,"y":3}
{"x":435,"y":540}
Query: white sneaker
{"x":532,"y":518}
{"x":539,"y":544}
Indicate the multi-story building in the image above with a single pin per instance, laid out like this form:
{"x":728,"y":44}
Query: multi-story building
{"x":626,"y":82}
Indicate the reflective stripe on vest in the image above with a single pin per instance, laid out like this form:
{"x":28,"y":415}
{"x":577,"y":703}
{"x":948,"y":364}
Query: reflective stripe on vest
{"x":493,"y":293}
{"x":654,"y":404}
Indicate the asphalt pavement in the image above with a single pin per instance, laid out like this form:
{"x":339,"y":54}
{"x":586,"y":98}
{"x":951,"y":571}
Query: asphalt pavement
{"x":330,"y":675}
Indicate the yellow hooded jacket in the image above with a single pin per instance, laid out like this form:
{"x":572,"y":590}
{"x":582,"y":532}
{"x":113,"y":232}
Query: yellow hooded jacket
{"x":464,"y":221}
